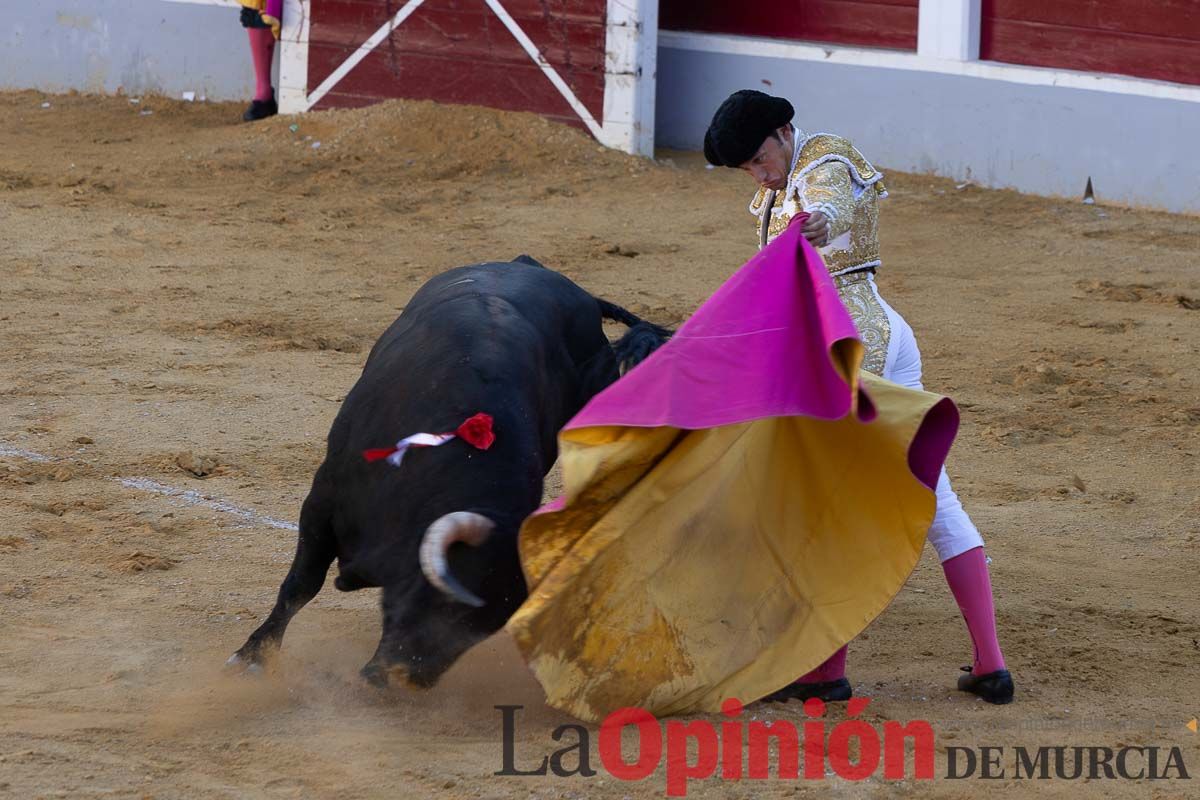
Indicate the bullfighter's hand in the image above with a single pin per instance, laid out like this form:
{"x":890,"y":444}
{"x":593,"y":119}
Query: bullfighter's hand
{"x":816,"y":229}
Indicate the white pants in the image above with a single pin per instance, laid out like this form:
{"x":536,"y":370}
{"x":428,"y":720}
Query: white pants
{"x":952,"y":532}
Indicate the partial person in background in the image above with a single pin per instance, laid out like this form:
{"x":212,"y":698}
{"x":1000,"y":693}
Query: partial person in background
{"x":262,"y":20}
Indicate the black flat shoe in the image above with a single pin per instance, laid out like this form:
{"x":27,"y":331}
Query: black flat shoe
{"x":995,"y":687}
{"x":261,"y":109}
{"x":829,"y":691}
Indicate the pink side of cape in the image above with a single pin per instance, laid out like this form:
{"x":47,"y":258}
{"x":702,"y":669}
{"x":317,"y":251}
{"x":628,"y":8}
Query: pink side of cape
{"x":758,"y":348}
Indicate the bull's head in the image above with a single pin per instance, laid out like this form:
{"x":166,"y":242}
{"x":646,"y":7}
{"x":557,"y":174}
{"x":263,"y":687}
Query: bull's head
{"x":428,"y":624}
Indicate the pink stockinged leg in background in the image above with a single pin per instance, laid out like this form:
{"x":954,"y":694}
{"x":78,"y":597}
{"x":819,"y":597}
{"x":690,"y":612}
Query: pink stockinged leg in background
{"x":262,"y":50}
{"x":264,"y":24}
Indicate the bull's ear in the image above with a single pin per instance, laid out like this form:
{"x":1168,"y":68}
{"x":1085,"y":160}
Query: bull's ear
{"x":527,"y":259}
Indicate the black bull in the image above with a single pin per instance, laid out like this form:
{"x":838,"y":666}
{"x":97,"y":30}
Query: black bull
{"x":439,"y":533}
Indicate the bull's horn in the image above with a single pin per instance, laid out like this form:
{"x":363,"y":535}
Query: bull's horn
{"x":461,"y":526}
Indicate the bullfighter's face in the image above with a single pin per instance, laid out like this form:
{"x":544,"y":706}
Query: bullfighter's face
{"x":771,"y":164}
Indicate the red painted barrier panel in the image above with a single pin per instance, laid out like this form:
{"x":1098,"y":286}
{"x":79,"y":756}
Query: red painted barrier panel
{"x":870,"y":23}
{"x":1157,"y":39}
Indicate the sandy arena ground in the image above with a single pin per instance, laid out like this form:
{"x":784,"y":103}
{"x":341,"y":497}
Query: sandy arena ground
{"x":184,"y":300}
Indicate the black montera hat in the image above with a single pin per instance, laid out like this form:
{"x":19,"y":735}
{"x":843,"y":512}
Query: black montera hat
{"x":742,"y":124}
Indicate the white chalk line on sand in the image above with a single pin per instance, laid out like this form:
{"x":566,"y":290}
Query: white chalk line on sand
{"x":28,"y":455}
{"x":193,"y":498}
{"x":188,"y":497}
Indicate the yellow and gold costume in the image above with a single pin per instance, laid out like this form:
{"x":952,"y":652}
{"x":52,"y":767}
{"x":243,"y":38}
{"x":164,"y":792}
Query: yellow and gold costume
{"x":829,"y":175}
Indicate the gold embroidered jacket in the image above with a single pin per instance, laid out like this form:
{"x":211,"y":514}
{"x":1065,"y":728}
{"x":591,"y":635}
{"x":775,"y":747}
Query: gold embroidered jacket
{"x":829,"y":175}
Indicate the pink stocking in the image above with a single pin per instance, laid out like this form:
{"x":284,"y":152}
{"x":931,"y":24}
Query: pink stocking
{"x":833,"y":669}
{"x":968,"y":577}
{"x":262,"y":49}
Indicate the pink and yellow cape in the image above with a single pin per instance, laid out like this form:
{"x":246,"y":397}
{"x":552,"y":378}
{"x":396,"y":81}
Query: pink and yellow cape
{"x":736,"y":508}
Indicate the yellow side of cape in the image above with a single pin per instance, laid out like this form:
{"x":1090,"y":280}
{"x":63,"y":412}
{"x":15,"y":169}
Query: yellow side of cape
{"x":689,"y":567}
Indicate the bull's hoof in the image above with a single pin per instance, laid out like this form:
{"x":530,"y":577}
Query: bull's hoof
{"x":238,"y":664}
{"x":375,"y":675}
{"x":389,"y":677}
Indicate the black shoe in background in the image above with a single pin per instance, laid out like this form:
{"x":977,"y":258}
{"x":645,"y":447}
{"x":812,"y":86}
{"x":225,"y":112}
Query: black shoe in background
{"x":261,"y":109}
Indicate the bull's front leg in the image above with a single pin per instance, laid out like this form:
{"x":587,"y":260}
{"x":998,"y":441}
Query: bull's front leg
{"x":316,"y":548}
{"x":387,"y":666}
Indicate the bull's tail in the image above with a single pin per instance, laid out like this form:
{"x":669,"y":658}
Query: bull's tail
{"x":642,"y":338}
